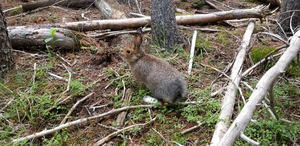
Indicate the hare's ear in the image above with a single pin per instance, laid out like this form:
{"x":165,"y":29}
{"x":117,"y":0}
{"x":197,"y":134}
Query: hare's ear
{"x":138,"y":38}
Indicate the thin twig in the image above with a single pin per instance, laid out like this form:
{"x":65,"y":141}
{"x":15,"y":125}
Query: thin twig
{"x":95,"y":107}
{"x":64,"y":60}
{"x":291,"y":26}
{"x":137,"y":4}
{"x":32,"y":55}
{"x":160,"y":135}
{"x":74,"y":106}
{"x":34,"y":73}
{"x":56,"y":76}
{"x":105,"y":139}
{"x":108,"y":127}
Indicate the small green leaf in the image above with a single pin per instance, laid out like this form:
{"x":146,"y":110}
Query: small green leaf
{"x":52,"y":31}
{"x":48,"y":39}
{"x":59,"y":40}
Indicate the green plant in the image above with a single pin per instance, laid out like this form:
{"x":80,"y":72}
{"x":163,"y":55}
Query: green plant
{"x":51,"y":40}
{"x":206,"y":111}
{"x":202,"y":47}
{"x":15,"y":11}
{"x":271,"y":131}
{"x":76,"y":87}
{"x":53,"y":17}
{"x":258,"y":54}
{"x":223,"y":38}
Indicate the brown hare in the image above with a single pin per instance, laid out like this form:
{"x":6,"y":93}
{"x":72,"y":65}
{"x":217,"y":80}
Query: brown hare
{"x":166,"y":83}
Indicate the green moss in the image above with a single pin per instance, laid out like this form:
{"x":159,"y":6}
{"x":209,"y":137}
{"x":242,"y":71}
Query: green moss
{"x":258,"y":54}
{"x":15,"y":11}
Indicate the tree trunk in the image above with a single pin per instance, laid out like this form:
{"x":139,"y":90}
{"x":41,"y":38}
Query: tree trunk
{"x":6,"y":59}
{"x":165,"y":33}
{"x":288,"y":7}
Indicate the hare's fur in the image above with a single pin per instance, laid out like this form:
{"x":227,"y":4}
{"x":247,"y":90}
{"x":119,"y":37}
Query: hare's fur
{"x":166,"y":83}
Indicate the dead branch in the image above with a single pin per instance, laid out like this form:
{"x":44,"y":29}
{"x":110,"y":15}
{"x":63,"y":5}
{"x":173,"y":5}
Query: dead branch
{"x":257,"y":12}
{"x":242,"y":120}
{"x":122,"y":115}
{"x":46,"y":132}
{"x":68,"y":3}
{"x":230,"y":94}
{"x":105,"y":139}
{"x":115,"y":33}
{"x":192,"y":51}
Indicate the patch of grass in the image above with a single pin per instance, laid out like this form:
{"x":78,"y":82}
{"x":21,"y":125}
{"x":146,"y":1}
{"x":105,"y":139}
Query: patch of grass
{"x":258,"y":54}
{"x":15,"y":11}
{"x":76,"y":87}
{"x":202,"y":47}
{"x":206,"y":111}
{"x":271,"y":131}
{"x":53,"y":17}
{"x":222,"y":37}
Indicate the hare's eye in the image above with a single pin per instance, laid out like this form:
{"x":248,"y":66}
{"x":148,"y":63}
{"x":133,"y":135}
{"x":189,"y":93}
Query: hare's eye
{"x":128,"y":51}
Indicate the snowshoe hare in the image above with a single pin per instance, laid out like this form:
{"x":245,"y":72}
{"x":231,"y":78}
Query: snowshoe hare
{"x":166,"y":83}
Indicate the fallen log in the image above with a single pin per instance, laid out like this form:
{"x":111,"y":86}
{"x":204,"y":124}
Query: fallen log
{"x":22,"y":37}
{"x":240,"y":123}
{"x":68,"y":3}
{"x":198,"y":19}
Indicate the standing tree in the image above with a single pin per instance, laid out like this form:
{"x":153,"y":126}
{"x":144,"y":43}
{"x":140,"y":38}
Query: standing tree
{"x":165,"y":33}
{"x":289,"y":17}
{"x":6,"y":58}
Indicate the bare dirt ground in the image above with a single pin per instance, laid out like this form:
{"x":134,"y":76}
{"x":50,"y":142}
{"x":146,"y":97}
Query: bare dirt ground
{"x":91,"y":67}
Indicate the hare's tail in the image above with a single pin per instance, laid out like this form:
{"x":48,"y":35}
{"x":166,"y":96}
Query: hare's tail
{"x":181,"y":92}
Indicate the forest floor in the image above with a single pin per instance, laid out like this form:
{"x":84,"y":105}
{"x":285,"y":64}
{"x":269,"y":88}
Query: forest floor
{"x":35,"y":91}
